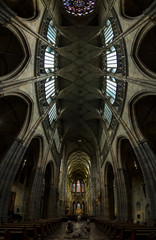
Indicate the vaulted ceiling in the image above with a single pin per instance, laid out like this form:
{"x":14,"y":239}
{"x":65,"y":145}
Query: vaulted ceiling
{"x":80,"y":82}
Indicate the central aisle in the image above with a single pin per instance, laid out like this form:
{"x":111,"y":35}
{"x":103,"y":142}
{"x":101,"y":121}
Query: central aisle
{"x":95,"y":234}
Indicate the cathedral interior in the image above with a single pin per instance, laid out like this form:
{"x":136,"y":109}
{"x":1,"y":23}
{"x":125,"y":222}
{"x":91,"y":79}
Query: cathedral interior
{"x":78,"y":110}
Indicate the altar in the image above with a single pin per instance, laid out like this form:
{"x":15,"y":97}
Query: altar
{"x":78,"y":211}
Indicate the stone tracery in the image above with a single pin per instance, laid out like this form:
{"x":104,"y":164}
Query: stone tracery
{"x":79,"y":7}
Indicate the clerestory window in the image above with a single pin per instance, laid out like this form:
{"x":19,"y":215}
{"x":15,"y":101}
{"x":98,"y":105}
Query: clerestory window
{"x":114,"y":67}
{"x":110,"y":65}
{"x":49,"y":67}
{"x":78,"y":187}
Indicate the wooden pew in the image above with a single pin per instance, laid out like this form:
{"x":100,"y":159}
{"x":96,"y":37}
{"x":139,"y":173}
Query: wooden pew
{"x":133,"y":232}
{"x":142,"y":234}
{"x":21,"y":231}
{"x":5,"y":235}
{"x":128,"y":231}
{"x":34,"y":229}
{"x":14,"y":233}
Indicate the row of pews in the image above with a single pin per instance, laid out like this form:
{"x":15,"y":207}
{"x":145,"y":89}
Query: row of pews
{"x":126,"y":231}
{"x":36,"y":230}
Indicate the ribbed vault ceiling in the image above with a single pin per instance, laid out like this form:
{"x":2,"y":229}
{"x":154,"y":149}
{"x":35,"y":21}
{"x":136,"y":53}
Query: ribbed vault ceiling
{"x":80,"y":98}
{"x":79,"y":166}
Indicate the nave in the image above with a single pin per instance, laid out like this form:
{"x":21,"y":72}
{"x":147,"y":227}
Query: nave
{"x":95,"y":234}
{"x":78,"y":116}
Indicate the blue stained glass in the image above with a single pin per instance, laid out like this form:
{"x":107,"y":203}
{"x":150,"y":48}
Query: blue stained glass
{"x":83,"y":187}
{"x":74,"y":187}
{"x":78,"y":187}
{"x":79,"y":7}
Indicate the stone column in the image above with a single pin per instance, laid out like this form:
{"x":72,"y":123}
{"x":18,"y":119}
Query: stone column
{"x":122,"y":197}
{"x":93,"y":196}
{"x":105,"y":200}
{"x":51,"y":210}
{"x":102,"y":202}
{"x":36,"y":191}
{"x":147,"y":163}
{"x":8,"y":170}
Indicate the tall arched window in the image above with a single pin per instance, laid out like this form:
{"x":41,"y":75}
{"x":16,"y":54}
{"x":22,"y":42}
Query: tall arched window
{"x":82,"y":187}
{"x":50,"y":89}
{"x":47,"y":86}
{"x":78,"y":186}
{"x":50,"y":66}
{"x":110,"y":65}
{"x":74,"y":187}
{"x":47,"y":64}
{"x":114,"y":63}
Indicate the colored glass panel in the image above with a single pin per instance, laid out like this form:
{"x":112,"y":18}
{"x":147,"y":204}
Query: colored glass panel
{"x":111,"y":62}
{"x":74,"y":187}
{"x":79,"y":7}
{"x":49,"y":67}
{"x":78,"y":187}
{"x":83,"y":187}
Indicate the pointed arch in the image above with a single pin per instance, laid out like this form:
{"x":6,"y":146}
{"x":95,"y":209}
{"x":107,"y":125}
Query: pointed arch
{"x":132,"y":9}
{"x":134,"y":182}
{"x":144,"y":50}
{"x":15,"y":114}
{"x":144,"y":119}
{"x":26,"y":9}
{"x":14,"y":52}
{"x":109,"y":185}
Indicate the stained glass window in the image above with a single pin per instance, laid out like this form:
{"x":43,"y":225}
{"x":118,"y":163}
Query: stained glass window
{"x":74,"y":187}
{"x":51,"y":33}
{"x":79,"y":7}
{"x":78,"y":187}
{"x":49,"y":58}
{"x":50,"y":89}
{"x":52,"y":113}
{"x":82,"y":187}
{"x":108,"y":33}
{"x":111,"y":66}
{"x":78,"y":205}
{"x":107,"y":113}
{"x":111,"y":88}
{"x":50,"y":67}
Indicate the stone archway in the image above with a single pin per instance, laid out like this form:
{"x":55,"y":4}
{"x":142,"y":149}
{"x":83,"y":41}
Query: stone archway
{"x":134,"y":8}
{"x":23,"y":8}
{"x":14,"y":52}
{"x":135,"y":183}
{"x":145,"y":117}
{"x":144,"y":51}
{"x":49,"y":194}
{"x":23,"y":183}
{"x":109,"y":192}
{"x":13,"y":112}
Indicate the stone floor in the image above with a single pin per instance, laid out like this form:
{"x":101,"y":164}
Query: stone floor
{"x":95,"y":234}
